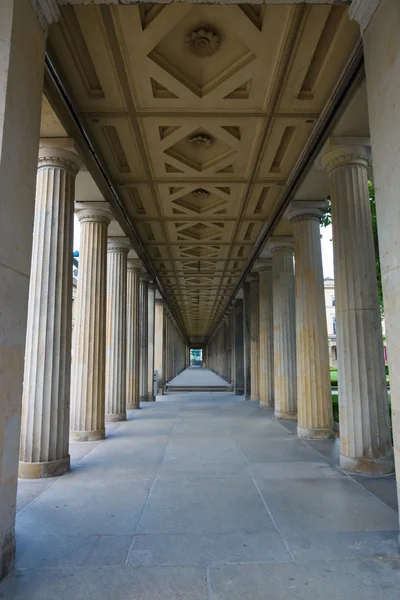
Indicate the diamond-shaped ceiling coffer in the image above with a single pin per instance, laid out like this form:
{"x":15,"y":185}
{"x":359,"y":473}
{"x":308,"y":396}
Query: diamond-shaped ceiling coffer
{"x":200,"y":150}
{"x":201,"y":55}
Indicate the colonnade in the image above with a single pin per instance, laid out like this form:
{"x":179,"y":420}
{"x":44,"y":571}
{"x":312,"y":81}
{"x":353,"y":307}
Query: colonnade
{"x":284,"y":341}
{"x":115,"y":333}
{"x":290,"y":373}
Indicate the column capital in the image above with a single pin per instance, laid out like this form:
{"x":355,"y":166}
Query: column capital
{"x":280,"y":242}
{"x":263,"y":264}
{"x":342,"y":151}
{"x":134,"y":264}
{"x":307,"y":210}
{"x":252,"y":277}
{"x":59,"y":152}
{"x":145,"y":278}
{"x":86,"y":213}
{"x":118,"y":244}
{"x":362,"y":11}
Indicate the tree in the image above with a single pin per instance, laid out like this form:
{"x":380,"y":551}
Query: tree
{"x":327,"y":220}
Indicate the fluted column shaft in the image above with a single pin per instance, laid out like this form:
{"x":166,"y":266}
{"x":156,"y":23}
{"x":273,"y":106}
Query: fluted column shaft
{"x":151,"y":333}
{"x":89,"y":357}
{"x":285,"y":388}
{"x":159,"y":354}
{"x":117,"y":252}
{"x":143,"y":335}
{"x":266,"y":335}
{"x":247,"y":339}
{"x":315,"y":418}
{"x":254,"y":337}
{"x":365,"y":441}
{"x":132,"y":334}
{"x":46,"y":391}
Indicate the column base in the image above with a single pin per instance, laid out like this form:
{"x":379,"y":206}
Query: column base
{"x":133,"y":406}
{"x":367,"y":466}
{"x":111,"y":418}
{"x":284,"y":415}
{"x":7,"y":555}
{"x":151,"y":398}
{"x":239,"y":391}
{"x":38,"y":470}
{"x":255,"y":398}
{"x":315,"y":434}
{"x":87,"y":436}
{"x":267,"y":404}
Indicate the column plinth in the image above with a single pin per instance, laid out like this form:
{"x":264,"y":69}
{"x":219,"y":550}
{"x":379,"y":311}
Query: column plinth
{"x":132,"y":334}
{"x":46,"y":392}
{"x":89,"y":357}
{"x":117,"y":253}
{"x":365,"y":440}
{"x":266,"y":334}
{"x":285,"y":386}
{"x":315,"y":418}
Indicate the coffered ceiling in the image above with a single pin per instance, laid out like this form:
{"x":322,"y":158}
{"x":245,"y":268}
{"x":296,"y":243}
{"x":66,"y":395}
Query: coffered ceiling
{"x":200,"y":113}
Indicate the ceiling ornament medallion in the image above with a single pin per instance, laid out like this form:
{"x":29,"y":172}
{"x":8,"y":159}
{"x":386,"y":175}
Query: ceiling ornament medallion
{"x":200,"y":193}
{"x":202,"y":42}
{"x":201,"y":141}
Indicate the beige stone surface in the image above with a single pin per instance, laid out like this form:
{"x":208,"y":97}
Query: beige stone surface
{"x":382,"y":71}
{"x":365,"y":441}
{"x":21,"y":77}
{"x":151,"y":340}
{"x":266,"y":334}
{"x":132,"y":334}
{"x":159,"y":347}
{"x":285,"y":378}
{"x":47,"y":376}
{"x":117,"y":253}
{"x":143,"y":337}
{"x":255,"y":337}
{"x":89,"y":343}
{"x":314,"y":400}
{"x":200,"y":148}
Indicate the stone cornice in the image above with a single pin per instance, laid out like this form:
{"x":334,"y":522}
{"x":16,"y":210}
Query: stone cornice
{"x":362,"y":11}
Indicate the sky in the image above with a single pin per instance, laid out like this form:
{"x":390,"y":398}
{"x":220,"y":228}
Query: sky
{"x":326,"y":245}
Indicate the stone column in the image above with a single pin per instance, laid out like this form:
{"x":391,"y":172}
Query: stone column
{"x":238,"y":348}
{"x":381,"y":44}
{"x":365,"y":441}
{"x":159,"y":344}
{"x":47,"y":379}
{"x":315,"y":419}
{"x":117,"y":252}
{"x":143,"y":336}
{"x":89,"y":357}
{"x":21,"y":85}
{"x":285,"y":393}
{"x":254,"y":337}
{"x":151,"y":349}
{"x":132,"y":334}
{"x":247,"y":339}
{"x":266,"y":334}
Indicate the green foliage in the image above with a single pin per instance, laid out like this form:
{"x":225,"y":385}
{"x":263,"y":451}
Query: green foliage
{"x":327,"y":220}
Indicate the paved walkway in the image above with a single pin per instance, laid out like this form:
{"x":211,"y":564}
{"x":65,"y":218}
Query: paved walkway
{"x":204,"y":497}
{"x":198,"y":377}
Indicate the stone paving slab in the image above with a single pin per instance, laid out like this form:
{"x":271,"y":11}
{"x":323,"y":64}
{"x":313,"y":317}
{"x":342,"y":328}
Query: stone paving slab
{"x":203,"y":496}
